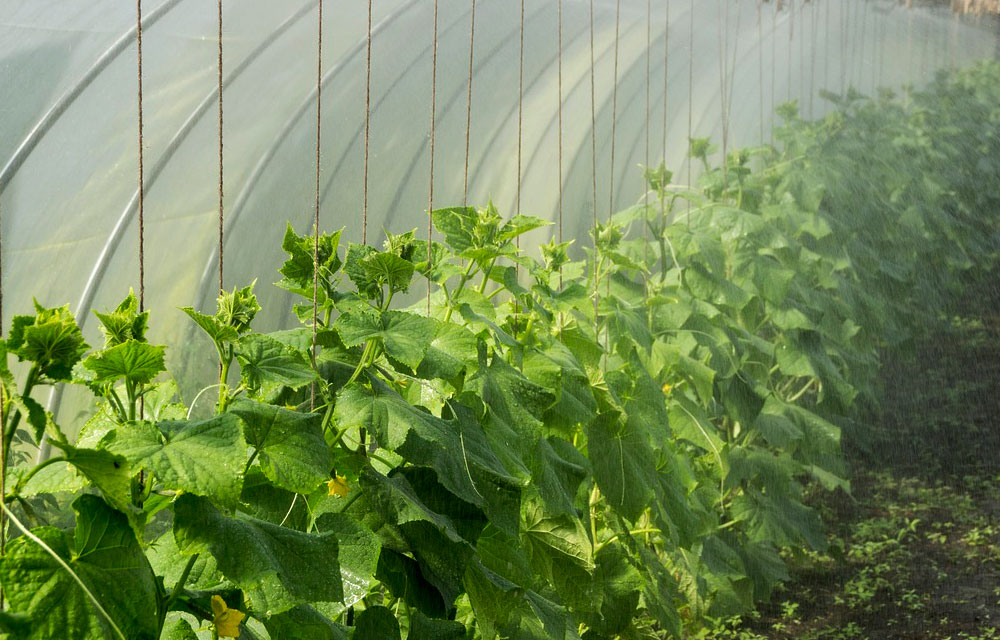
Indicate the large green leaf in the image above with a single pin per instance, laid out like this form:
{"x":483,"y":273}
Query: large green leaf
{"x":449,"y":352}
{"x":376,"y":622}
{"x":109,"y":472}
{"x":358,"y":553}
{"x":203,"y":457}
{"x":124,"y":323}
{"x":305,"y":622}
{"x":405,"y":336}
{"x":456,"y":449}
{"x":105,"y":556}
{"x":133,"y":361}
{"x":431,"y":537}
{"x":277,"y":568}
{"x":515,"y":406}
{"x":290,"y":445}
{"x":299,"y":268}
{"x":264,"y":359}
{"x":424,"y":628}
{"x":388,"y":269}
{"x":623,"y":462}
{"x":218,"y":331}
{"x":51,"y":339}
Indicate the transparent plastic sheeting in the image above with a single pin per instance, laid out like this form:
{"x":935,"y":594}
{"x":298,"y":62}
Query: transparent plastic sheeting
{"x":68,"y":122}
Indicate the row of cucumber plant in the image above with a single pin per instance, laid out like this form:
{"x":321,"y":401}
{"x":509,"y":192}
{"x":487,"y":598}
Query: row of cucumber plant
{"x":549,"y":448}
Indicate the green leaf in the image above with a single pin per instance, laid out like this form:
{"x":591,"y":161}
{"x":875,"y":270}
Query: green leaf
{"x":623,"y":464}
{"x":299,"y":268}
{"x":557,"y":537}
{"x":457,"y":450}
{"x":277,"y":568}
{"x":51,"y":339}
{"x":237,"y":308}
{"x":404,"y":335}
{"x":432,"y":538}
{"x":358,"y":554}
{"x":178,"y":629}
{"x":519,"y":225}
{"x":449,"y":353}
{"x":264,"y":359}
{"x":376,"y":622}
{"x":305,"y":622}
{"x":387,"y":269}
{"x":700,"y":375}
{"x":124,"y":323}
{"x":133,"y":361}
{"x":107,"y":558}
{"x":361,"y":278}
{"x":290,"y":445}
{"x":203,"y":457}
{"x":169,"y":563}
{"x":110,"y":473}
{"x":620,"y":584}
{"x":515,"y":405}
{"x":424,"y":628}
{"x":458,"y":225}
{"x":402,"y":577}
{"x":218,"y":331}
{"x":557,"y":471}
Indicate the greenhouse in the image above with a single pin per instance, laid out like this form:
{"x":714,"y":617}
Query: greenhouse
{"x":500,"y":319}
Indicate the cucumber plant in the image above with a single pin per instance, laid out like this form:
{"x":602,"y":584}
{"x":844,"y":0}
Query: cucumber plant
{"x":612,"y":447}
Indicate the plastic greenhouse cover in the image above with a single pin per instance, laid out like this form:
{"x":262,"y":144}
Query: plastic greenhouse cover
{"x":68,"y":121}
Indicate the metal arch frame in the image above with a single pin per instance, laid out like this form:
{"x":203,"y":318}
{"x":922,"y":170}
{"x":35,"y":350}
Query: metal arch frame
{"x":118,"y":231}
{"x":66,"y":100}
{"x":268,"y":155}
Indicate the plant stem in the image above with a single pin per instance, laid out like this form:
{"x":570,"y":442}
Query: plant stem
{"x":634,"y":532}
{"x":179,"y":587}
{"x":461,"y":285}
{"x":31,"y":474}
{"x":8,"y":435}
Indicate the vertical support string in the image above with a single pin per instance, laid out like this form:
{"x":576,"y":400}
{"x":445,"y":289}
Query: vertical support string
{"x":368,"y":120}
{"x":430,"y":194}
{"x":593,"y":131}
{"x":614,"y":112}
{"x":520,"y":121}
{"x":814,"y":29}
{"x":760,"y":65}
{"x":645,"y":189}
{"x":690,"y":101}
{"x":666,"y":67}
{"x":142,"y":185}
{"x":774,"y":67}
{"x":3,"y":419}
{"x":791,"y":40}
{"x":316,"y":204}
{"x":221,"y":214}
{"x":468,"y":109}
{"x":593,"y":173}
{"x":141,"y":215}
{"x":560,"y":116}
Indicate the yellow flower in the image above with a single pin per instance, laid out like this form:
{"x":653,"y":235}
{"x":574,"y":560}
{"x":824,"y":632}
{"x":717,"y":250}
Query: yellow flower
{"x":337,"y":486}
{"x":226,"y":620}
{"x":667,"y":387}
